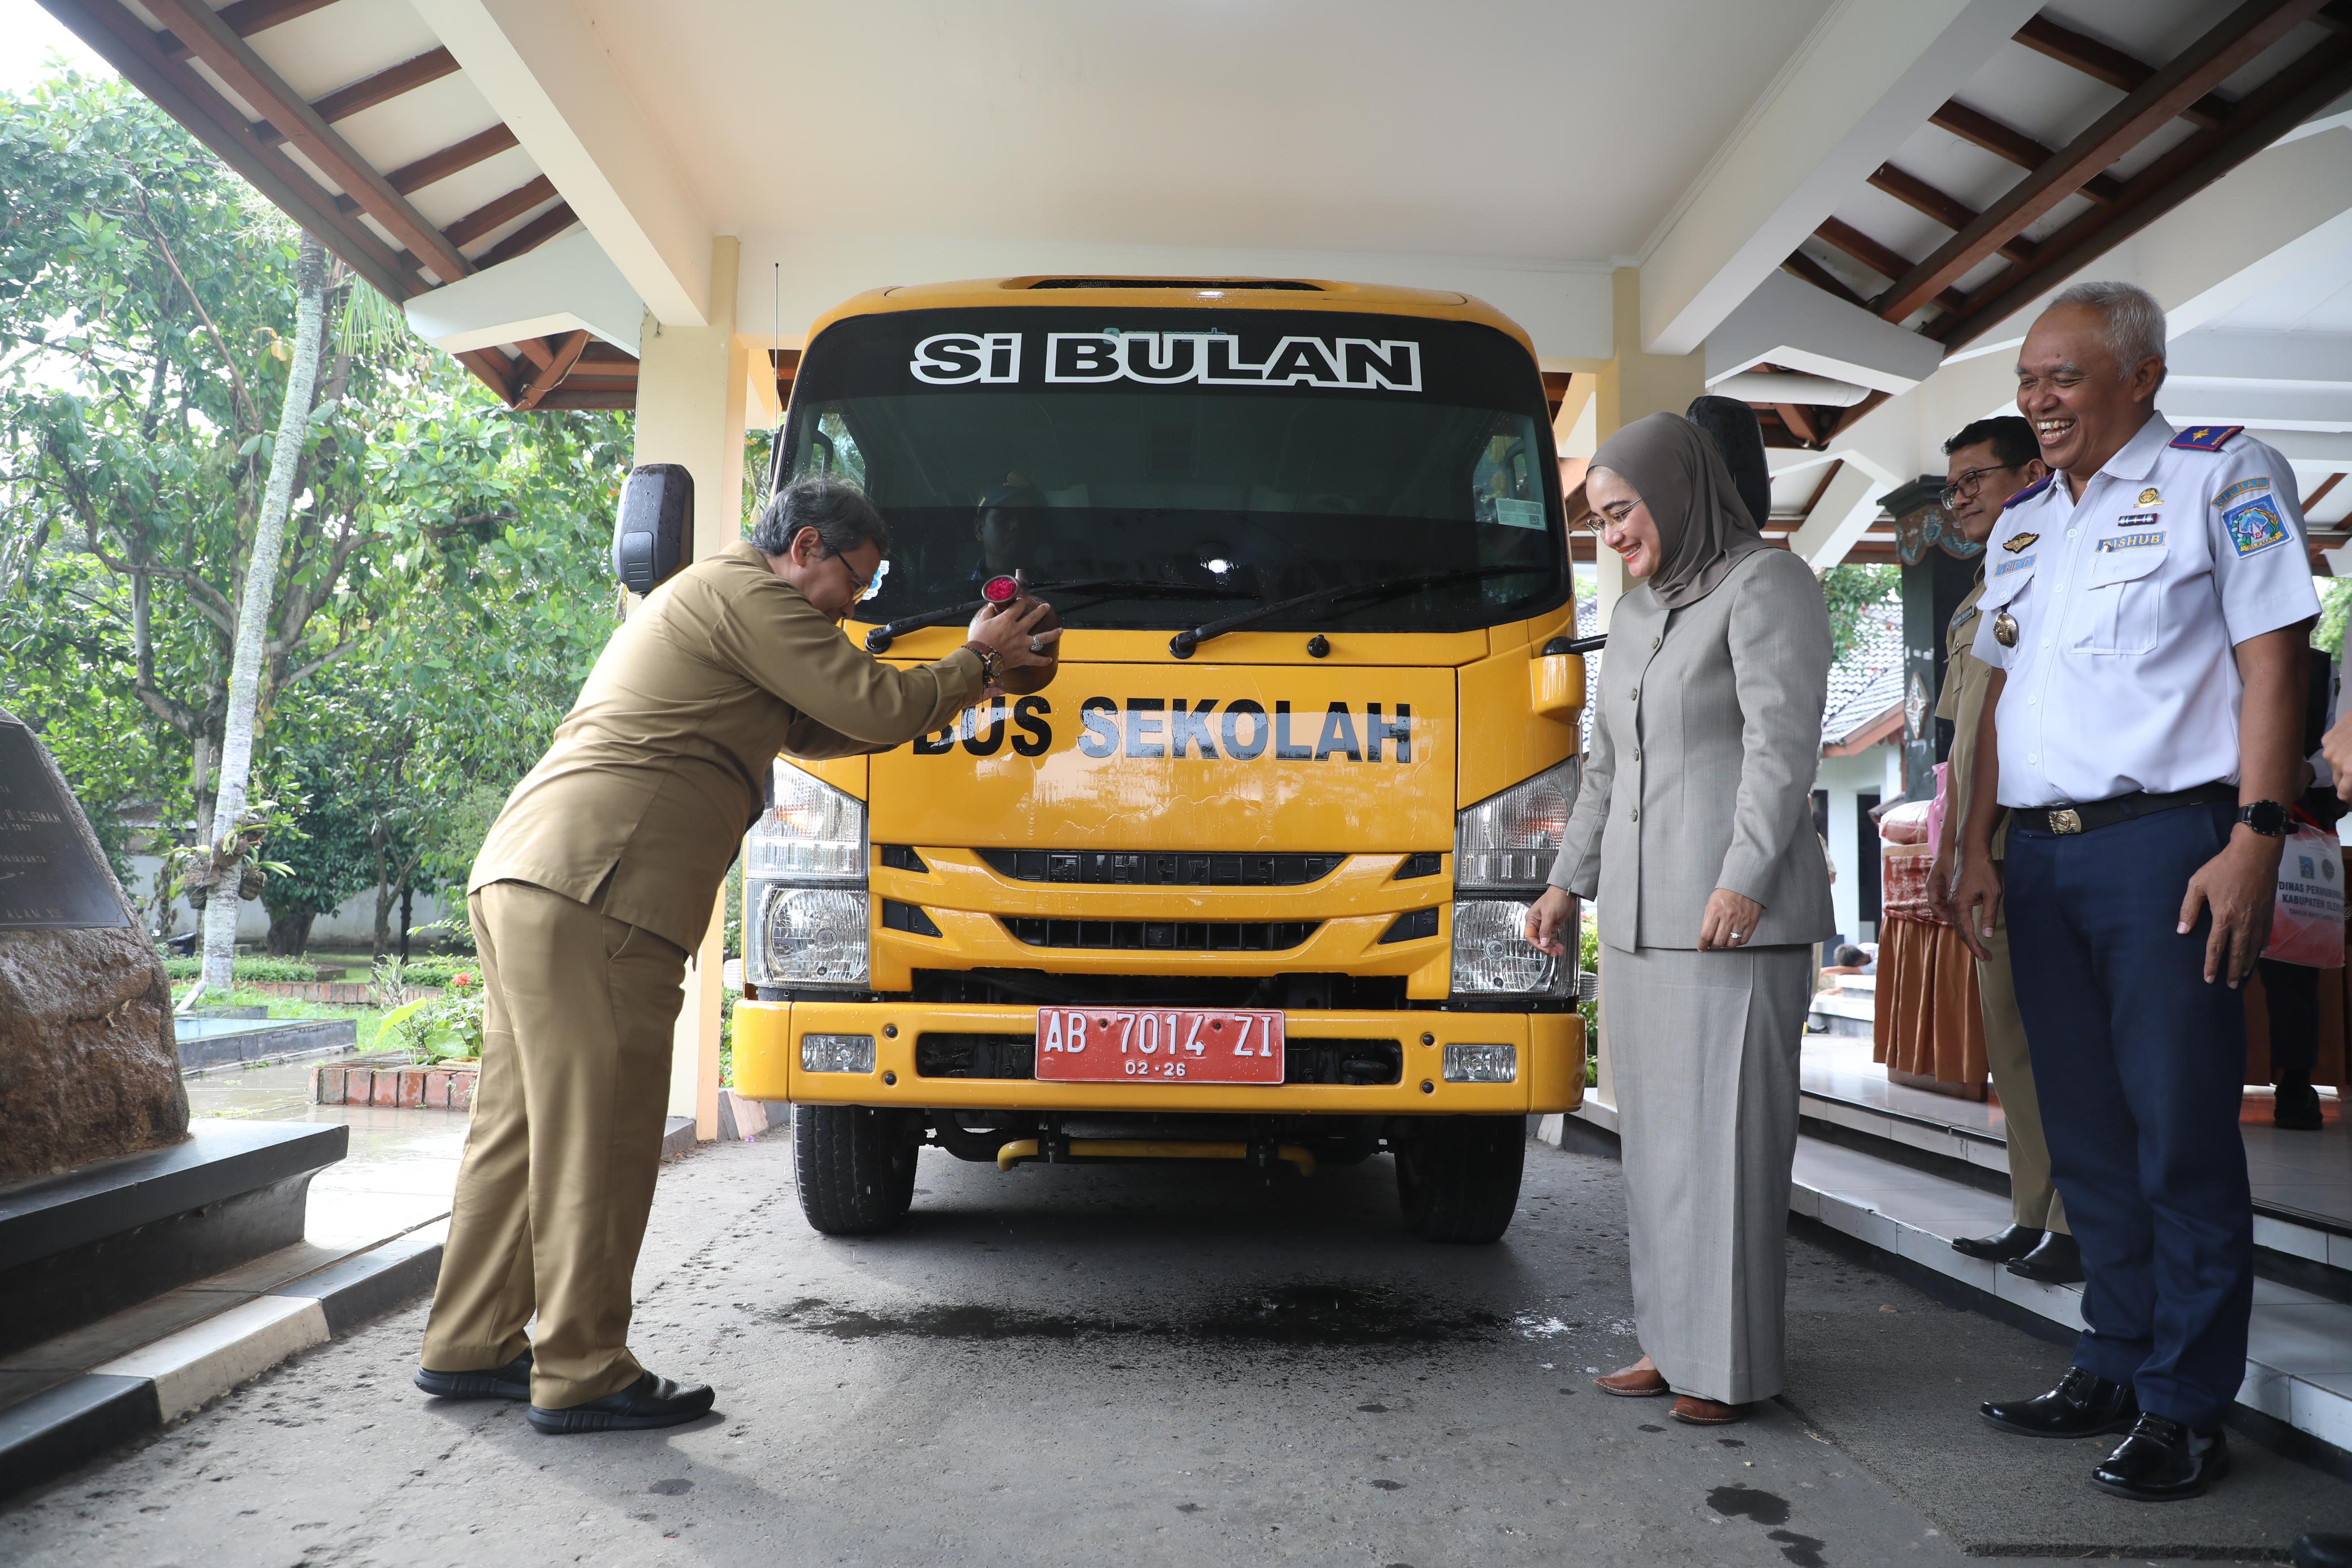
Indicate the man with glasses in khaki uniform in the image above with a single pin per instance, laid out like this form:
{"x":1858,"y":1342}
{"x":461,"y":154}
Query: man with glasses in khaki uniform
{"x":1990,"y":461}
{"x":595,"y":882}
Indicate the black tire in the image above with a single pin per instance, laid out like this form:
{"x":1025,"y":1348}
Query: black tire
{"x":855,"y":1167}
{"x":1458,"y":1177}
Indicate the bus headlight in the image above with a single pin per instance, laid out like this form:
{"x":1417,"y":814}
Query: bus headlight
{"x":1492,"y":955}
{"x":1502,"y":851}
{"x":804,"y":904}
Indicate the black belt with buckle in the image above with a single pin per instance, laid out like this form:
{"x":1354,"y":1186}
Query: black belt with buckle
{"x":2082,"y":818}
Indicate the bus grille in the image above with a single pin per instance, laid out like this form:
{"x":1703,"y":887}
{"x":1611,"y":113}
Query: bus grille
{"x":1161,"y":870}
{"x":1163,"y":935}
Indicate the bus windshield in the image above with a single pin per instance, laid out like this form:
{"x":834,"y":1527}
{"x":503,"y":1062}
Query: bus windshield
{"x":1196,"y":462}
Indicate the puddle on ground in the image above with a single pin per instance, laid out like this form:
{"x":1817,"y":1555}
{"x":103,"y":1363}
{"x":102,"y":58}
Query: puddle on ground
{"x":1749,"y":1503}
{"x":1286,"y":1315}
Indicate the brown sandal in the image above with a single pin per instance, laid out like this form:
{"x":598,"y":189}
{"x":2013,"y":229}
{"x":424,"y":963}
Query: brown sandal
{"x":1694,"y":1411}
{"x":1632,"y":1382}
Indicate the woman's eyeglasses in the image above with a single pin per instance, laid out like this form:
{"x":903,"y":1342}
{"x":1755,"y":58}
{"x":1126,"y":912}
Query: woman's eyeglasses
{"x":1610,"y":516}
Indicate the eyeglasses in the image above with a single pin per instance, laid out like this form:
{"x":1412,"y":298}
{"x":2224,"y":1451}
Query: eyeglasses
{"x":1969,"y":481}
{"x":1606,"y":517}
{"x":866,"y":586}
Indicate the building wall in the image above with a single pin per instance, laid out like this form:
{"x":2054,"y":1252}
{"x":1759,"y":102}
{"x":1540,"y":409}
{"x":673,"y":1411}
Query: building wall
{"x":352,"y":925}
{"x":1875,"y":771}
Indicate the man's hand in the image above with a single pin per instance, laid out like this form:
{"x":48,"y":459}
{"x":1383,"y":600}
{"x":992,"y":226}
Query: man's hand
{"x":2338,"y":750}
{"x":1010,"y":628}
{"x":1975,"y":901}
{"x":1730,"y":921}
{"x":2240,"y":886}
{"x":1545,"y":918}
{"x":1939,"y":891}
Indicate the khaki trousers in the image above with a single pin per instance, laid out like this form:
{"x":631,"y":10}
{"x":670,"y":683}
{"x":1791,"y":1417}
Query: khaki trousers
{"x":559,"y":1162}
{"x":2032,"y":1197}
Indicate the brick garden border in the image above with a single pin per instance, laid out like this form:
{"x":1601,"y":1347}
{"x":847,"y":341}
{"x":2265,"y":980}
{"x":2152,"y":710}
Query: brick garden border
{"x":409,"y":1087}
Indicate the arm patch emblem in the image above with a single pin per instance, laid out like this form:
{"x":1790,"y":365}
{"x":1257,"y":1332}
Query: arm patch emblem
{"x":2258,"y":483}
{"x":2255,"y":526}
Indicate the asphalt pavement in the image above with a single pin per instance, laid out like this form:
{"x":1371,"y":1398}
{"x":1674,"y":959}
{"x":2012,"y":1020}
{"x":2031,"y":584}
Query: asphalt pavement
{"x":1152,"y":1364}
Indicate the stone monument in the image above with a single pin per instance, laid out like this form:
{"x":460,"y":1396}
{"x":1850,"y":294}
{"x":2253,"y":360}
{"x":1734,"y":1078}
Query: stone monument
{"x":88,"y":1067}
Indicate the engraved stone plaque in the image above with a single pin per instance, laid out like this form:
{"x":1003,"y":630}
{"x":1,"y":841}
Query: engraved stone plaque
{"x":50,"y":878}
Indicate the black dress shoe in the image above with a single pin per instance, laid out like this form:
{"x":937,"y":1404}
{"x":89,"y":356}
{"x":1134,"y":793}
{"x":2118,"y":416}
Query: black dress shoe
{"x":650,"y":1401}
{"x":2296,"y":1108}
{"x":2083,"y":1405}
{"x":2055,"y":1262}
{"x":2163,"y":1460}
{"x":2002,"y":1247}
{"x":2321,"y":1549}
{"x":511,"y":1381}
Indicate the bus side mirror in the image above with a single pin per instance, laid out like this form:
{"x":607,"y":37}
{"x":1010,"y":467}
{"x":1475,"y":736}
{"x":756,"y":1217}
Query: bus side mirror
{"x":1556,"y":680}
{"x":653,"y":538}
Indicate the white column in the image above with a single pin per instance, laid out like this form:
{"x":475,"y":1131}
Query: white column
{"x":691,"y":408}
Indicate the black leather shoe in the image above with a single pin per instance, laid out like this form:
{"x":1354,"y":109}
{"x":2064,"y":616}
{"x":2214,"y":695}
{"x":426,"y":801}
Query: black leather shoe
{"x":2163,"y":1462}
{"x":2083,"y":1405}
{"x":2321,"y":1549}
{"x":2002,"y":1247}
{"x":650,"y":1401}
{"x":511,"y":1381}
{"x":2296,"y":1108}
{"x":2055,"y":1262}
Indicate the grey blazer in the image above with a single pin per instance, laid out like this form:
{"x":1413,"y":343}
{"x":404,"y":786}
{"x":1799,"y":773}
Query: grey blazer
{"x":1704,"y":746}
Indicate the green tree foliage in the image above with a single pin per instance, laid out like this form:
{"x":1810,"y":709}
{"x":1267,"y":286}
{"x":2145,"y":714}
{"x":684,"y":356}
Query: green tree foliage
{"x":1854,"y":594}
{"x":442,"y":589}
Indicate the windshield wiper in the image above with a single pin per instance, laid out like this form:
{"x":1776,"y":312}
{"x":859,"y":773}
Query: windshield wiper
{"x":1183,"y":643}
{"x":879,"y":639}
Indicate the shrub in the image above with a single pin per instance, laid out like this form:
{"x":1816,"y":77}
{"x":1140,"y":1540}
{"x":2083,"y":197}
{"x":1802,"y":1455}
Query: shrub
{"x":448,"y":1028}
{"x":439,"y":970}
{"x":248,"y":971}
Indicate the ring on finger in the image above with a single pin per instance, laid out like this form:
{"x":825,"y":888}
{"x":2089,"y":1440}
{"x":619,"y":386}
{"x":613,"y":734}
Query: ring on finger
{"x":1036,"y":645}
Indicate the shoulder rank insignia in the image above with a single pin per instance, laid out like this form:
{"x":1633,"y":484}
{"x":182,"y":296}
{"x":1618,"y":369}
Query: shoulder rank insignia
{"x":2205,"y":437}
{"x":2016,"y":542}
{"x":2029,"y":492}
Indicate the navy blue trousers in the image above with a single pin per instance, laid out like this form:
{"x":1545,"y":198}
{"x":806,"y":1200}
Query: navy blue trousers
{"x":2140,"y":1065}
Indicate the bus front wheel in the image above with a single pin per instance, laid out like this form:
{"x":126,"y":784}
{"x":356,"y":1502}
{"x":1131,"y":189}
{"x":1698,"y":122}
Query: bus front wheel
{"x":1458,"y":1177}
{"x":855,"y":1167}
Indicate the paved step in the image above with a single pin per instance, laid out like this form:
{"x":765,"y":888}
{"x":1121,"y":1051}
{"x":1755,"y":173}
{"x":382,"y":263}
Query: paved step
{"x":2299,"y":1352}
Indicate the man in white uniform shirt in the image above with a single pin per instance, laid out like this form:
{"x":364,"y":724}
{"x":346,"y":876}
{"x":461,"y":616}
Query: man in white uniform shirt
{"x":2147,"y":609}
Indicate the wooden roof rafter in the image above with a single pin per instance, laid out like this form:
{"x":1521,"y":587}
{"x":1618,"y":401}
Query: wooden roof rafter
{"x":250,"y":117}
{"x":2225,"y":133}
{"x":2251,"y":29}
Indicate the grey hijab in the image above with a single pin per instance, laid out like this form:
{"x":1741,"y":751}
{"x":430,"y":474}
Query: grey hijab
{"x":1703,"y":526}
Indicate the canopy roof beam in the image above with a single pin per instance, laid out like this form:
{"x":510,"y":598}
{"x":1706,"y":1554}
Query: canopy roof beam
{"x":2245,"y":34}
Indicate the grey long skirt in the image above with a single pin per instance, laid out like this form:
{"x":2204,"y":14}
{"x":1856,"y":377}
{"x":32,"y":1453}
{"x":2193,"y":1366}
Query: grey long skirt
{"x":1703,"y":1056}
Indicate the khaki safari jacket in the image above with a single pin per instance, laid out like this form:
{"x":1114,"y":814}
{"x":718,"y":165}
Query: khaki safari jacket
{"x":656,"y":773}
{"x":1966,"y":676}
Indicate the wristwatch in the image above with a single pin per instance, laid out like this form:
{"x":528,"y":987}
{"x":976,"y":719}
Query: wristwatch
{"x":2267,"y":818}
{"x":991,"y":663}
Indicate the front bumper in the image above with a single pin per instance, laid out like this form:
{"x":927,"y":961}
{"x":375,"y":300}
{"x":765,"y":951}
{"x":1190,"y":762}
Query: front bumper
{"x":768,"y":1057}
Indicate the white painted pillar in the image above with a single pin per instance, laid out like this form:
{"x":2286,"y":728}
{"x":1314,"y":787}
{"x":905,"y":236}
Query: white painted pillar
{"x":690,"y":410}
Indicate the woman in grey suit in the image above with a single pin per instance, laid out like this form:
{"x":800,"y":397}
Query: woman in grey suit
{"x":1693,"y":833}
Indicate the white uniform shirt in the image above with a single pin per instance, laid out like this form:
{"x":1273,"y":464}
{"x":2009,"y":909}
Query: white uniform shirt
{"x":2127,"y":605}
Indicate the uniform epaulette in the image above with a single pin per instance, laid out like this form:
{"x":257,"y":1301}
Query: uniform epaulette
{"x":2029,"y":492}
{"x":2205,"y":437}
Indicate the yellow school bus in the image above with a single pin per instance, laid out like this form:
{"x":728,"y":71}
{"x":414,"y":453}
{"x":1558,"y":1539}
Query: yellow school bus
{"x":1246,"y":880}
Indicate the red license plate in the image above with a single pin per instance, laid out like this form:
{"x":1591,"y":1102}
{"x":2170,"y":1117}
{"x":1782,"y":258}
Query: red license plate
{"x":1159,"y":1045}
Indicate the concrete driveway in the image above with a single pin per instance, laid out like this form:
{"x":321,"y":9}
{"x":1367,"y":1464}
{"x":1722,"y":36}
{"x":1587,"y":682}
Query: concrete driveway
{"x":1155,"y":1364}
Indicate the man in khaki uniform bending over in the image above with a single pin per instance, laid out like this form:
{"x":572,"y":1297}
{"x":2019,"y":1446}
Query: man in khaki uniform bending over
{"x":1990,"y":461}
{"x":594,"y":882}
